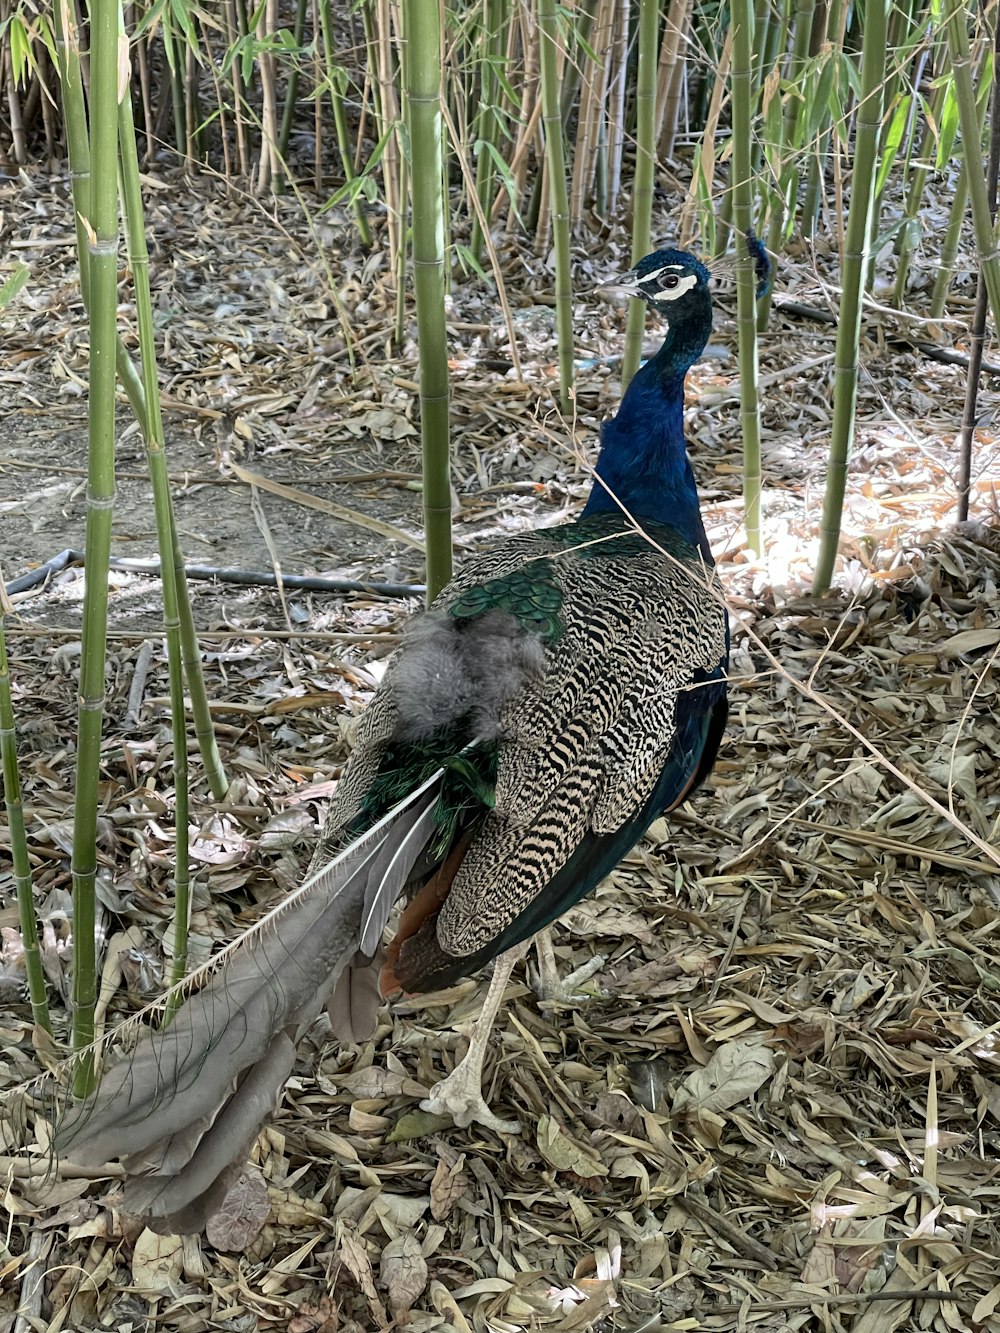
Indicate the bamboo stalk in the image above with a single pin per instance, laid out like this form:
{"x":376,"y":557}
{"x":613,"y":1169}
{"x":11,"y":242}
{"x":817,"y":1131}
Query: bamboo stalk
{"x":785,"y":196}
{"x":950,"y":247}
{"x":141,"y":47}
{"x":102,"y":238}
{"x":20,"y":861}
{"x":231,"y":19}
{"x":986,"y":241}
{"x":529,"y":114}
{"x":977,"y":341}
{"x":337,"y":80}
{"x":423,"y":96}
{"x":18,"y":137}
{"x":169,"y":40}
{"x":669,"y":75}
{"x":645,"y":161}
{"x":387,"y":107}
{"x":269,"y":167}
{"x":705,"y":163}
{"x":487,"y":121}
{"x":548,"y":37}
{"x":857,"y":243}
{"x":616,"y":104}
{"x":166,"y":539}
{"x":819,"y":128}
{"x":291,"y":89}
{"x":909,"y":233}
{"x":741,"y":31}
{"x":591,"y":111}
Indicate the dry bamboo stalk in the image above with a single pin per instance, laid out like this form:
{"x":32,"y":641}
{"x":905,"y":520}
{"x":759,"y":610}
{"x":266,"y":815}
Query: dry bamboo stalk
{"x":593,"y":92}
{"x":50,"y":117}
{"x":18,"y":138}
{"x":616,"y":103}
{"x":220,"y":102}
{"x":32,"y":103}
{"x":367,"y":94}
{"x":519,"y":161}
{"x":231,"y":20}
{"x":317,"y":65}
{"x":268,"y":167}
{"x":531,"y":109}
{"x":689,"y":212}
{"x":673,"y":67}
{"x":146,"y":93}
{"x":191,"y":114}
{"x":388,"y":113}
{"x":838,"y":157}
{"x":542,"y":226}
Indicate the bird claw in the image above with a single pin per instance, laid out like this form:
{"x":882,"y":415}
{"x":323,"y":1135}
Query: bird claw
{"x":455,"y":1096}
{"x":553,"y":989}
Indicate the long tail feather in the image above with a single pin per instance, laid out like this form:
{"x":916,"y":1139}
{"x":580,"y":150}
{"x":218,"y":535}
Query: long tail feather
{"x":185,"y":1106}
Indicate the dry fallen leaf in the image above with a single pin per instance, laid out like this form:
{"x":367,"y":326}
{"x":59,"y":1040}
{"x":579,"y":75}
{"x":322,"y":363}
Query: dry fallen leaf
{"x":156,"y":1263}
{"x":564,"y":1153}
{"x":735,"y":1071}
{"x":403,"y":1273}
{"x":242,"y":1215}
{"x":449,"y":1184}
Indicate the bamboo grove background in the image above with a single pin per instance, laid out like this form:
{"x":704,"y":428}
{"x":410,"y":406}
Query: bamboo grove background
{"x":452,"y":135}
{"x":555,"y":122}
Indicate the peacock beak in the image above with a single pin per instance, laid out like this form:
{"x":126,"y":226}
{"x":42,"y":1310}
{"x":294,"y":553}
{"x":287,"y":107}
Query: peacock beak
{"x":628,"y":284}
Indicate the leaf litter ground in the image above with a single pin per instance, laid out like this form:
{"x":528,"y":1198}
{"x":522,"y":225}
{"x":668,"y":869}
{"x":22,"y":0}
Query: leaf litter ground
{"x":778,"y":1106}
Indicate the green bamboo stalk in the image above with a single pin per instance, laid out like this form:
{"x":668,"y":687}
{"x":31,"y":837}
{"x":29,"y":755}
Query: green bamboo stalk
{"x":78,"y":151}
{"x":548,"y":36}
{"x":18,"y":840}
{"x":291,"y":93}
{"x":741,"y":83}
{"x":487,"y":122}
{"x":102,"y":239}
{"x":950,"y":247}
{"x":170,"y":51}
{"x":957,"y":16}
{"x":909,"y":233}
{"x":645,"y":162}
{"x":337,"y":80}
{"x":819,"y":120}
{"x":423,"y":95}
{"x":977,"y":339}
{"x":784,"y":198}
{"x":166,"y":532}
{"x":767,"y":27}
{"x":856,"y":249}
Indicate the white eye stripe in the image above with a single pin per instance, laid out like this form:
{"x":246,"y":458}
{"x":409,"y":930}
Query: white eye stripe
{"x":667,"y":268}
{"x":684,"y":285}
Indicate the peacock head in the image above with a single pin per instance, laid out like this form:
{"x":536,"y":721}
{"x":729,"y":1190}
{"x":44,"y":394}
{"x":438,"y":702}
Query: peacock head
{"x":673,"y":282}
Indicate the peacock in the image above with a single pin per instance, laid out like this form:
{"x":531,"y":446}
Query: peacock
{"x":563,"y":691}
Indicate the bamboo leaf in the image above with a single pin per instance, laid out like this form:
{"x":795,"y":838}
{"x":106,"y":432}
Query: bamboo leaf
{"x":14,"y":284}
{"x":893,"y":139}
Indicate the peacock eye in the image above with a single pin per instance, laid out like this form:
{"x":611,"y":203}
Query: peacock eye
{"x":668,"y":280}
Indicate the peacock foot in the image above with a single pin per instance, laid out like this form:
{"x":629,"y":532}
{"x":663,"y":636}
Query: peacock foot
{"x":551,"y":988}
{"x":460,"y":1096}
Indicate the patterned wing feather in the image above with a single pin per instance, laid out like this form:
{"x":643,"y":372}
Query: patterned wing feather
{"x":583,"y":749}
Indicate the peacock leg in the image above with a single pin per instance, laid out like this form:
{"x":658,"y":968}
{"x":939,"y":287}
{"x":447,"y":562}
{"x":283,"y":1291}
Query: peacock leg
{"x":551,"y":987}
{"x":460,"y":1095}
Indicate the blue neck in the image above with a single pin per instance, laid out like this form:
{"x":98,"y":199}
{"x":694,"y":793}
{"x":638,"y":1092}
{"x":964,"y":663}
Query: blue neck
{"x":643,"y":457}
